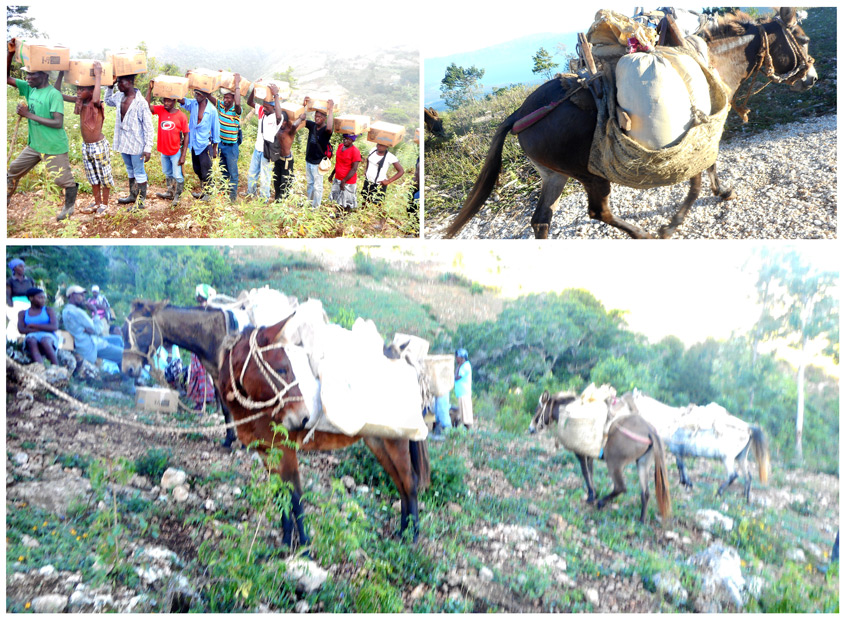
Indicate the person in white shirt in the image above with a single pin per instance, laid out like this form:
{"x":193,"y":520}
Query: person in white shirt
{"x":270,"y":120}
{"x":378,"y":164}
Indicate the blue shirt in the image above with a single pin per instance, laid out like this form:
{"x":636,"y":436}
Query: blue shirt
{"x":77,"y":322}
{"x":463,"y":384}
{"x":204,"y":132}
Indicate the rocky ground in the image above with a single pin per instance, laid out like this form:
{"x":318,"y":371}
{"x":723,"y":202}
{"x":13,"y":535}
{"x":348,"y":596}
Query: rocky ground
{"x":786,"y":180}
{"x":552,"y":544}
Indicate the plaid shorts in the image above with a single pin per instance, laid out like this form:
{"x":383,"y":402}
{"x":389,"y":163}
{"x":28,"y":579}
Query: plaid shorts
{"x":96,"y":158}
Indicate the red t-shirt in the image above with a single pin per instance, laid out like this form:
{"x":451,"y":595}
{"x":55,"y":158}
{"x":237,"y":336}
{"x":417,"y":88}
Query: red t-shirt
{"x":171,"y":125}
{"x":345,"y":158}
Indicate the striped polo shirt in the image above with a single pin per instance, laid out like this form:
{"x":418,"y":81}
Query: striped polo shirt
{"x":229,"y":121}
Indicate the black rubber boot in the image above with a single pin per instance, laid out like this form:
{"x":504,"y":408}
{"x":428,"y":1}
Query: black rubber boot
{"x":143,"y":193}
{"x":134,"y":192}
{"x":169,"y":190}
{"x":70,"y":200}
{"x":178,"y":189}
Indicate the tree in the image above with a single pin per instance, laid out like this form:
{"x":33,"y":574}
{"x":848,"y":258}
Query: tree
{"x":799,"y":306}
{"x":287,"y":76}
{"x":16,"y":18}
{"x":459,"y":86}
{"x":543,"y":63}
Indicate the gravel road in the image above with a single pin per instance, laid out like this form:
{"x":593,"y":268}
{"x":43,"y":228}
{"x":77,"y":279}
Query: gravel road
{"x":786,"y":179}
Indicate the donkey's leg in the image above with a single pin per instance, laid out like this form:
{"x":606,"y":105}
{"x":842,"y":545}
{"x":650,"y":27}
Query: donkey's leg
{"x":230,"y":433}
{"x":586,"y":465}
{"x":598,"y":191}
{"x":725,"y":193}
{"x":642,"y":464}
{"x":615,"y":470}
{"x":741,"y":461}
{"x":394,"y":457}
{"x":665,"y":232}
{"x":547,"y":203}
{"x":288,"y":471}
{"x":683,"y":474}
{"x":732,"y":474}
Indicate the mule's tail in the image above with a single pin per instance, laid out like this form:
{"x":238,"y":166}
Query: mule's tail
{"x":758,"y":439}
{"x":486,"y":178}
{"x":421,"y":462}
{"x":662,"y":487}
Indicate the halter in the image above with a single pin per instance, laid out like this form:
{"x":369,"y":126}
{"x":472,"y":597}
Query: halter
{"x":274,"y":380}
{"x":764,"y":63}
{"x":134,"y":347}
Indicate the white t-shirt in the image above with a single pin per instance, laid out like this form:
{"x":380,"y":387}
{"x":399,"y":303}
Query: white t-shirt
{"x":268,"y":127}
{"x":372,"y":166}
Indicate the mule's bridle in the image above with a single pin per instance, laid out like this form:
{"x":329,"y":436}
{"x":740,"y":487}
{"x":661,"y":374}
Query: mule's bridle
{"x":272,"y":377}
{"x":764,"y":64}
{"x":131,"y":337}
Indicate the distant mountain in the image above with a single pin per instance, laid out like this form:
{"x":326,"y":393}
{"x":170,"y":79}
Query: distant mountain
{"x":506,"y":63}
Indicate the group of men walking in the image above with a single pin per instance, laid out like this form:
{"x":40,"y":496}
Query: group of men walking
{"x":212,"y":131}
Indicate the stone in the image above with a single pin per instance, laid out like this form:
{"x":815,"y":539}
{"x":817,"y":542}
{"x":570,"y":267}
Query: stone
{"x":52,"y":603}
{"x":796,"y":555}
{"x":722,"y":581}
{"x":707,"y":519}
{"x":53,"y":496}
{"x":20,"y":458}
{"x":302,"y":606}
{"x":418,"y":592}
{"x":454,"y":508}
{"x":47,"y":571}
{"x":181,"y":493}
{"x":349,"y":483}
{"x":592,"y":596}
{"x":80,"y":602}
{"x":29,"y":542}
{"x":670,"y":587}
{"x":172,"y":478}
{"x":308,"y":574}
{"x":485,"y":574}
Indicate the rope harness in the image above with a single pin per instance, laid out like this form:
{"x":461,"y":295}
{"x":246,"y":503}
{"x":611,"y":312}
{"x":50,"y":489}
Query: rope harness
{"x":86,"y":408}
{"x":272,"y":377}
{"x":617,"y":424}
{"x":764,"y":63}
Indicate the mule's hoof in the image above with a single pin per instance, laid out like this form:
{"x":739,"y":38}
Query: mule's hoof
{"x":541,"y":231}
{"x":665,"y":232}
{"x":729,"y":194}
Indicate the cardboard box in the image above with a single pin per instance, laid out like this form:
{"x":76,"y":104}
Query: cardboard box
{"x":227,"y":81}
{"x":317,"y":104}
{"x":42,"y":56}
{"x":66,"y":340}
{"x":81,"y":73}
{"x":262,"y":92}
{"x":351,"y":123}
{"x":156,"y":399}
{"x":204,"y":80}
{"x":131,"y":62}
{"x":385,"y":133}
{"x":293,"y":109}
{"x":416,"y":135}
{"x":170,"y":86}
{"x":440,"y":373}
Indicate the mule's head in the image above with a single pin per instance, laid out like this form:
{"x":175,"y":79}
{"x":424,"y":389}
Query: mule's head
{"x":793,"y":51}
{"x":141,"y":337}
{"x":547,"y":411}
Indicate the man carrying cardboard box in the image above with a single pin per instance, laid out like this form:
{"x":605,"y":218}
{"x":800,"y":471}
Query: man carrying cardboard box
{"x":204,"y":138}
{"x":96,"y":152}
{"x":283,"y":167}
{"x":270,"y":119}
{"x":133,"y":136}
{"x":375,"y":182}
{"x":318,"y":147}
{"x":344,"y":175}
{"x":171,"y":126}
{"x":47,"y":140}
{"x":229,"y":109}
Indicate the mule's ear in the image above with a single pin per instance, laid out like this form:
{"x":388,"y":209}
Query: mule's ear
{"x":281,"y":333}
{"x":788,"y":14}
{"x":544,"y":397}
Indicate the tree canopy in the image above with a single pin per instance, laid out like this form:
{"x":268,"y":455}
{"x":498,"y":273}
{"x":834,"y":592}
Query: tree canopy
{"x":460,"y":85}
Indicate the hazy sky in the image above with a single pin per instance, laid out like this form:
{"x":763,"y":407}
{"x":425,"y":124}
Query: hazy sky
{"x":91,"y":26}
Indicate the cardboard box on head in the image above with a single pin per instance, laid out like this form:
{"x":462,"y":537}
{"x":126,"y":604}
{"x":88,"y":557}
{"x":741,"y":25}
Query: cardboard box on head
{"x":385,"y":133}
{"x":351,"y":123}
{"x":228,"y":81}
{"x":129,"y":62}
{"x":204,"y":80}
{"x":293,"y":109}
{"x":319,"y":103}
{"x":81,"y":73}
{"x":170,"y":86}
{"x":42,"y":56}
{"x":263,"y":93}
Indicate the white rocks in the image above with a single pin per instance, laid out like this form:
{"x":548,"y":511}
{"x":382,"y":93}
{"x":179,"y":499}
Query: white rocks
{"x":707,"y":519}
{"x":670,"y":587}
{"x":796,"y":555}
{"x":485,"y":574}
{"x":592,"y":596}
{"x":181,"y":493}
{"x":172,"y":478}
{"x":302,"y":606}
{"x":47,"y":571}
{"x":20,"y":458}
{"x":52,"y":603}
{"x":29,"y":542}
{"x":309,"y":576}
{"x":722,"y":581}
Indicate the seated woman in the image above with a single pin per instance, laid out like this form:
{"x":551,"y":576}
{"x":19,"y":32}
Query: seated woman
{"x":38,"y":324}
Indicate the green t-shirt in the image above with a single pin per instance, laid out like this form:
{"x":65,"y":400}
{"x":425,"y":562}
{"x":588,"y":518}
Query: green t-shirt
{"x":43,"y":102}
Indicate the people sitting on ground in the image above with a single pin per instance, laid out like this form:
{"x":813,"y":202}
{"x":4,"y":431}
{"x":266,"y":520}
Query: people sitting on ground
{"x":344,"y":175}
{"x":376,"y":181}
{"x":100,"y":307}
{"x":38,"y":325}
{"x":319,"y":133}
{"x":204,"y":138}
{"x":46,"y":137}
{"x":199,"y":386}
{"x":133,"y":136}
{"x":18,"y":283}
{"x":96,"y":151}
{"x":88,"y":343}
{"x":270,"y":118}
{"x":171,"y":127}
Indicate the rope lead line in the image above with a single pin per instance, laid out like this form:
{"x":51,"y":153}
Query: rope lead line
{"x":86,"y":408}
